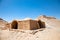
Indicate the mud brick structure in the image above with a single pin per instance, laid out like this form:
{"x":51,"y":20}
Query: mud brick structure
{"x":25,"y":24}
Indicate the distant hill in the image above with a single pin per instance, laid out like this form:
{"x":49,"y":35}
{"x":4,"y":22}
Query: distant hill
{"x":50,"y":21}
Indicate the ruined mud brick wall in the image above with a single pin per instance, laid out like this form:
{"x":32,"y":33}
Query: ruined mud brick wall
{"x":8,"y":25}
{"x":2,"y":23}
{"x":24,"y":24}
{"x":28,"y":24}
{"x":34,"y":24}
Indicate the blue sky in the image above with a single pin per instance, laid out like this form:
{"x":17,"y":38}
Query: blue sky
{"x":20,"y":9}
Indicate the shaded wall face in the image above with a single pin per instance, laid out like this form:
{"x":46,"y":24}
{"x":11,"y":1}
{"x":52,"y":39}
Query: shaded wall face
{"x":14,"y":25}
{"x":34,"y":25}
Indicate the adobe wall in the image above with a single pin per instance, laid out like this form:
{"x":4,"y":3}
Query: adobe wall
{"x":28,"y":24}
{"x":34,"y":25}
{"x":8,"y":25}
{"x":24,"y":24}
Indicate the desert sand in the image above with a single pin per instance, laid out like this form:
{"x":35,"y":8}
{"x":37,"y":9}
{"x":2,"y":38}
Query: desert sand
{"x":51,"y":32}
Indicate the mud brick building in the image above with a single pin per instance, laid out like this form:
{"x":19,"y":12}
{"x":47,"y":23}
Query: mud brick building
{"x":25,"y":24}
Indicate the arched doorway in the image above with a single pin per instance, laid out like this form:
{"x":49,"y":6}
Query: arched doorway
{"x":14,"y":25}
{"x":41,"y":24}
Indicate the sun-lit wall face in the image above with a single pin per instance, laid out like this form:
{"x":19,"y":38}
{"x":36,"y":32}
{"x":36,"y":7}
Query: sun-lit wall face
{"x":25,"y":24}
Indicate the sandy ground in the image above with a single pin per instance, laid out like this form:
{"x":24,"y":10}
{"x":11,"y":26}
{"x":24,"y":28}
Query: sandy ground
{"x":51,"y":32}
{"x":46,"y":34}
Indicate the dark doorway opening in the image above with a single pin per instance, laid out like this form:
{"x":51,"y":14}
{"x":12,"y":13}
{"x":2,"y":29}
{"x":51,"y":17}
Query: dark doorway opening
{"x":41,"y":24}
{"x":14,"y":25}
